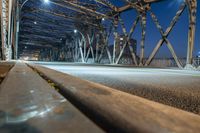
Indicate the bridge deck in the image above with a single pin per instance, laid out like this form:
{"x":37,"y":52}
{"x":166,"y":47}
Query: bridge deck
{"x":121,"y":111}
{"x":29,"y":103}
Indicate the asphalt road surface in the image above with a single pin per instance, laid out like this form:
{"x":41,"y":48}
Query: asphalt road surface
{"x":177,"y":88}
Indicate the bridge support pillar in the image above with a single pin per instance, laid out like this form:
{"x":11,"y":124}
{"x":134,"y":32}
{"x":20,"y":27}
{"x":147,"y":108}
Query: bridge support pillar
{"x":5,"y":29}
{"x":192,"y":8}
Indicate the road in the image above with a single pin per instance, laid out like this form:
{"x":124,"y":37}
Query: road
{"x":177,"y":88}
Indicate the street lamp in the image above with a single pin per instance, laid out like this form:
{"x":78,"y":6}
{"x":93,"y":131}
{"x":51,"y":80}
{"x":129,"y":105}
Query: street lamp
{"x":75,"y":31}
{"x":19,"y":9}
{"x":198,"y":54}
{"x":46,"y":1}
{"x":84,"y":40}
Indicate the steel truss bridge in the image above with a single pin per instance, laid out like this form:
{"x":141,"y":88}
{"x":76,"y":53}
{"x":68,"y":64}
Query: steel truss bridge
{"x":28,"y":28}
{"x":74,"y":96}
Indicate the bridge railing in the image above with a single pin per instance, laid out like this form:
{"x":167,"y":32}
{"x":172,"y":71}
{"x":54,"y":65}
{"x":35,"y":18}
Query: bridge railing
{"x":157,"y":62}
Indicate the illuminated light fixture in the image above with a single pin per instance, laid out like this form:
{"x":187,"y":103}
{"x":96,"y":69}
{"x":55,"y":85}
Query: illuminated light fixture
{"x":46,"y":1}
{"x":121,"y":39}
{"x":75,"y":31}
{"x":198,"y":54}
{"x":35,"y":22}
{"x":26,"y":58}
{"x":103,"y":19}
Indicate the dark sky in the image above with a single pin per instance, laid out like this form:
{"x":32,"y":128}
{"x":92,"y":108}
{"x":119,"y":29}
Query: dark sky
{"x":164,"y":11}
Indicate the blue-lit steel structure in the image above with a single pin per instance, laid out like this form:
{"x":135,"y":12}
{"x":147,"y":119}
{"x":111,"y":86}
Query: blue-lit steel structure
{"x":44,"y":30}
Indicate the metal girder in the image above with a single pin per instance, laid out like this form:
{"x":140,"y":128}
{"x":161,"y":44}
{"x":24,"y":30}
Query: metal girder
{"x":61,"y":36}
{"x":35,"y":41}
{"x":34,"y":36}
{"x":135,"y":5}
{"x":5,"y":27}
{"x":44,"y":23}
{"x":127,"y":41}
{"x":124,"y":8}
{"x":115,"y":33}
{"x":192,"y":7}
{"x":151,"y":1}
{"x":142,"y":44}
{"x":87,"y":15}
{"x":43,"y":15}
{"x":43,"y":26}
{"x":166,"y":34}
{"x":65,"y":17}
{"x":108,"y":3}
{"x":37,"y":44}
{"x":165,"y":39}
{"x":48,"y":21}
{"x":89,"y":11}
{"x":46,"y":32}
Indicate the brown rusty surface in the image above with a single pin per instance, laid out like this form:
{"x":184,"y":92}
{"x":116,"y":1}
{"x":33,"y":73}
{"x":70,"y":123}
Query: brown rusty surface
{"x":29,"y":104}
{"x":121,"y":110}
{"x":4,"y":69}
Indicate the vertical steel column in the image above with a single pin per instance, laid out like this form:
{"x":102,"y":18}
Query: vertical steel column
{"x":18,"y":12}
{"x":90,"y":40}
{"x":115,"y":38}
{"x":6,"y":49}
{"x":14,"y":23}
{"x":85,"y":46}
{"x":143,"y":26}
{"x":97,"y":47}
{"x":192,"y":8}
{"x":76,"y":50}
{"x":17,"y":29}
{"x":81,"y":43}
{"x":10,"y":2}
{"x":105,"y":38}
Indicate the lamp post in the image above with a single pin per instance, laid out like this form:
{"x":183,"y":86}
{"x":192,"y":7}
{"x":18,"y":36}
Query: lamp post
{"x":77,"y":31}
{"x":18,"y":12}
{"x":80,"y":45}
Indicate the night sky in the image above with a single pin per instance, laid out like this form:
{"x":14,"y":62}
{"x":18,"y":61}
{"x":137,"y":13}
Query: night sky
{"x":164,"y":11}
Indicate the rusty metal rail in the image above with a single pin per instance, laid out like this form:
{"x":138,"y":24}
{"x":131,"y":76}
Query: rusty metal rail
{"x":4,"y":69}
{"x":29,"y":104}
{"x":117,"y":111}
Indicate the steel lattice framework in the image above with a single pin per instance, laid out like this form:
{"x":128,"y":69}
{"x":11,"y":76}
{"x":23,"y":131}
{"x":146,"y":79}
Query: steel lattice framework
{"x":47,"y":31}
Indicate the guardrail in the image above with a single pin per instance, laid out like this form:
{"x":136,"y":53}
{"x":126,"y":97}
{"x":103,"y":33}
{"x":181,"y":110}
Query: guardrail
{"x":158,"y":62}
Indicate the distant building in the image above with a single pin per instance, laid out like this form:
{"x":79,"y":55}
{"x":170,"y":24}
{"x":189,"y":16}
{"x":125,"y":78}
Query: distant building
{"x":120,"y":44}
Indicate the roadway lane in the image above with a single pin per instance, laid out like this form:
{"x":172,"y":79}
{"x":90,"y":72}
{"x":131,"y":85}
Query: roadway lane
{"x":178,"y":88}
